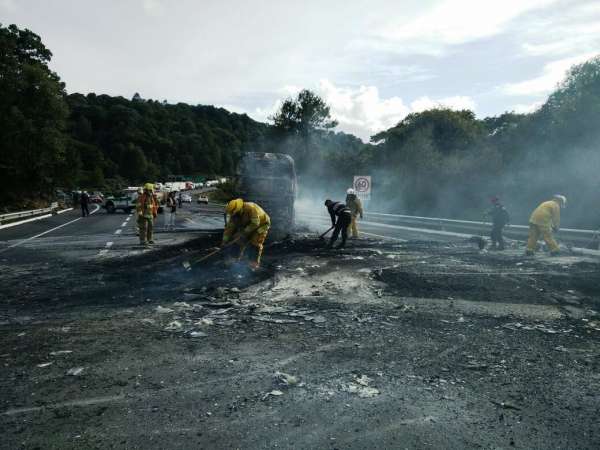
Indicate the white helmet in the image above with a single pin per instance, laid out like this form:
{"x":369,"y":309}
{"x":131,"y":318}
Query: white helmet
{"x":350,"y":191}
{"x":561,"y":199}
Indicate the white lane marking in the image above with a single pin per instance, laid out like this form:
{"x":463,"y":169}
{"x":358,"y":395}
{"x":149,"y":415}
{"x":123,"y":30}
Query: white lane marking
{"x":118,"y":231}
{"x":48,"y":231}
{"x":403,"y":228}
{"x":64,"y":210}
{"x":124,"y":224}
{"x":33,"y":219}
{"x":127,"y":220}
{"x":83,"y":402}
{"x":384,"y":237}
{"x":104,"y":251}
{"x":416,"y":230}
{"x":323,"y":219}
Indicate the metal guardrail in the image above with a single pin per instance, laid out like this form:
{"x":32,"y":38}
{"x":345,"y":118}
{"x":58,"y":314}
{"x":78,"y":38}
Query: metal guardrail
{"x":31,"y":213}
{"x":440,"y":221}
{"x":520,"y":232}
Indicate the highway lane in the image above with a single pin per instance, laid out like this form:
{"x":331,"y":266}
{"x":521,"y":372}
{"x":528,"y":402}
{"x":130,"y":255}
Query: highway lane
{"x":66,"y":234}
{"x":29,"y":229}
{"x":69,"y":236}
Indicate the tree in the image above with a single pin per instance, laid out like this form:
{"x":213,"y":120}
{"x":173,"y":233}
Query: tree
{"x":302,"y":117}
{"x":134,"y":164}
{"x":33,"y":115}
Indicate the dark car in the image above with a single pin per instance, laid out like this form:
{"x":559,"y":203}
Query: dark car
{"x":96,"y":198}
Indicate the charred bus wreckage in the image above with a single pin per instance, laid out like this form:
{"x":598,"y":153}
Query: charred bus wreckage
{"x":269,"y":179}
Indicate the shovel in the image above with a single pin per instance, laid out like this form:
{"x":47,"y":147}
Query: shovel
{"x":188,"y":264}
{"x":566,"y":244}
{"x":323,"y":235}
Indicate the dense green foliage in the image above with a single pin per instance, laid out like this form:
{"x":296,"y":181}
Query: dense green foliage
{"x":33,"y":115}
{"x":434,"y":162}
{"x":138,"y":140}
{"x":298,"y":123}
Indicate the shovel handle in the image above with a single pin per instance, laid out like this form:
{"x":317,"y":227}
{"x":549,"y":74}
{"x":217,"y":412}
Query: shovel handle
{"x":214,"y":252}
{"x":323,"y":235}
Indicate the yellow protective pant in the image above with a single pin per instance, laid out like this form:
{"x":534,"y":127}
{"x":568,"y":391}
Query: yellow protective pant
{"x":146,"y":227}
{"x":257,"y":241}
{"x":535,"y":233}
{"x":353,"y":227}
{"x":138,"y":223}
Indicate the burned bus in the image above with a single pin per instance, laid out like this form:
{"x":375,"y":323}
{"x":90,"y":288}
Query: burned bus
{"x":269,"y":179}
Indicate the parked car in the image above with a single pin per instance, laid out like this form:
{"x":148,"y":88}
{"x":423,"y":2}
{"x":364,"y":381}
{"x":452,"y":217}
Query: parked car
{"x":203,"y":199}
{"x":96,"y":198}
{"x":124,"y":201}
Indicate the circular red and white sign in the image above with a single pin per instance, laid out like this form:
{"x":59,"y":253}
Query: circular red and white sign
{"x":362,"y":184}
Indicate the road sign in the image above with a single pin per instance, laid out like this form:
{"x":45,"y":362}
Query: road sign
{"x":362,"y":186}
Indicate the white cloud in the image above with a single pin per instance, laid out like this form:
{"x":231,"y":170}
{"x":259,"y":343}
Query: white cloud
{"x":8,"y":5}
{"x":552,"y":74}
{"x":154,"y":8}
{"x":448,"y":23}
{"x":575,"y":28}
{"x":526,"y":108}
{"x":362,"y":111}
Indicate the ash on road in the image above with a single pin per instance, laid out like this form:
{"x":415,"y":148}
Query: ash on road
{"x":382,"y":345}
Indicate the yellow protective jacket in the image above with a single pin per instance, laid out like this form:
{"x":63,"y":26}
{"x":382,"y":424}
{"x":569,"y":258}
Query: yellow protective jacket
{"x":252,"y":219}
{"x":355,"y":205}
{"x":547,"y":215}
{"x":147,"y":205}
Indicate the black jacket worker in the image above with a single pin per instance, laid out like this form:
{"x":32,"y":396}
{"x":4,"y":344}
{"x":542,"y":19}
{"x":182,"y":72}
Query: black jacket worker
{"x":341,"y":217}
{"x":500,"y":219}
{"x":84,"y":200}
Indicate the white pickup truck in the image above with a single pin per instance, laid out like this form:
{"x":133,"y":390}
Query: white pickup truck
{"x":125,"y":202}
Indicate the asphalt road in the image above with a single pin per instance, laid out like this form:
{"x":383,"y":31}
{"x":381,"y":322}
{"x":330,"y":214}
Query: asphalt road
{"x":69,"y":234}
{"x":393,"y":344}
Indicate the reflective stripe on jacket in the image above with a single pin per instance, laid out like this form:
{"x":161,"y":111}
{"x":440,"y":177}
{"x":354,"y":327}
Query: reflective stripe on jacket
{"x":252,"y":219}
{"x":547,"y":215}
{"x":355,"y":205}
{"x":148,"y":205}
{"x":337,"y":209}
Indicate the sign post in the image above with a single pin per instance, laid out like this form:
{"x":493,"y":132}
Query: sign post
{"x":362,"y":187}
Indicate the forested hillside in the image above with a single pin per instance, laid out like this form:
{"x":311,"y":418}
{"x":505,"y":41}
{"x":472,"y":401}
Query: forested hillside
{"x":138,"y":140}
{"x":436,"y":162}
{"x":49,"y":139}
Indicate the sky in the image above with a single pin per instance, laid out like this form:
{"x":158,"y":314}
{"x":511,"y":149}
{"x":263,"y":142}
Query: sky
{"x":372,"y":61}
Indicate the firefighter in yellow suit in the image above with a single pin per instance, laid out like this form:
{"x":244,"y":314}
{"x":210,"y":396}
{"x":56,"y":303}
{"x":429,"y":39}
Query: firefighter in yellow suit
{"x":544,"y":220}
{"x":355,"y":205}
{"x":138,"y":211}
{"x":248,"y":222}
{"x":147,"y":207}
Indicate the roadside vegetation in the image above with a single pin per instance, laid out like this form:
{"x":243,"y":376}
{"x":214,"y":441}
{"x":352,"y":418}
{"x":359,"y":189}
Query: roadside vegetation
{"x":436,"y":162}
